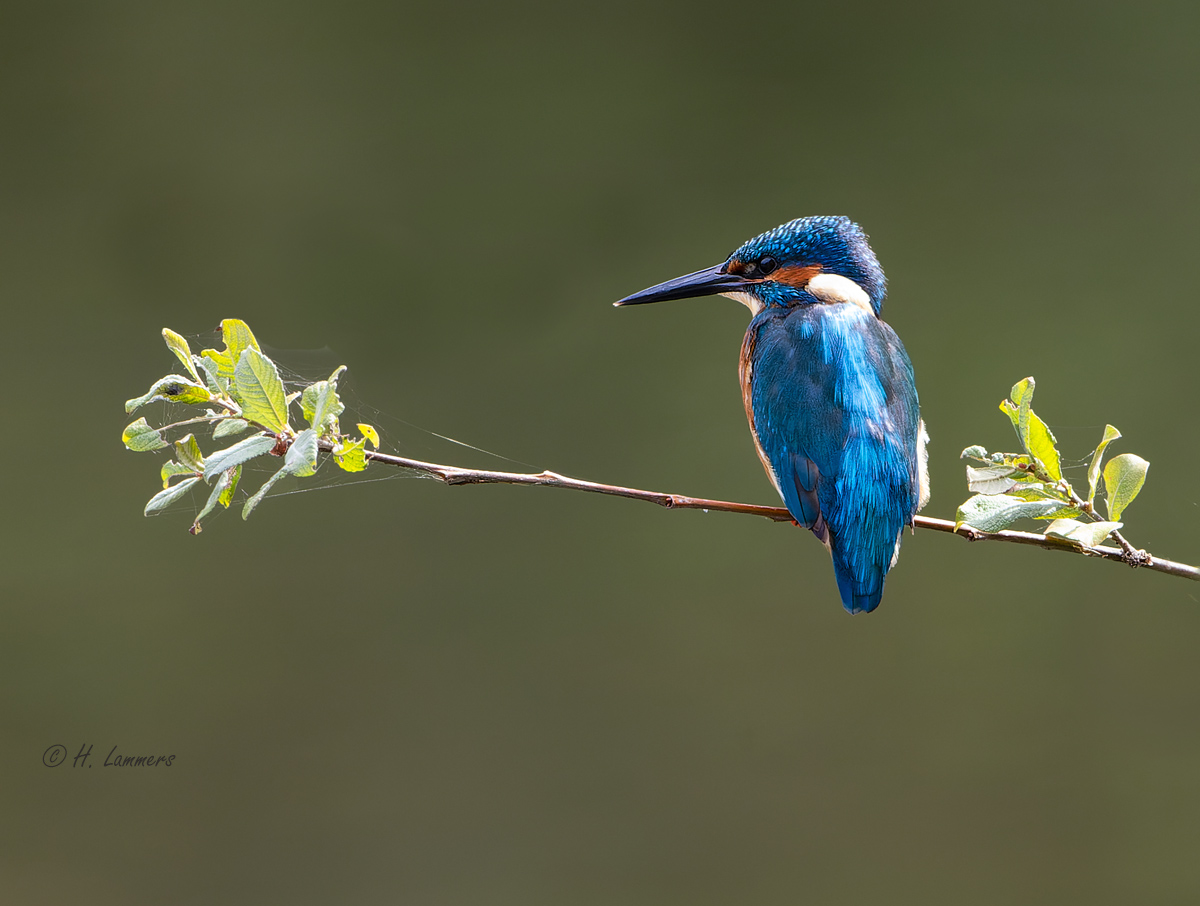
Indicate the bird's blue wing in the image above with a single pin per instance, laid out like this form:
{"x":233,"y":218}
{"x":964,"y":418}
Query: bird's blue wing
{"x":833,"y":408}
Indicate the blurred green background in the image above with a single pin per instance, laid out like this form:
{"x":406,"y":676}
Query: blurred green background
{"x":401,"y":692}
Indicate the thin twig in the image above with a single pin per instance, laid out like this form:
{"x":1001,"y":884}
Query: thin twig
{"x":1130,"y":554}
{"x":454,"y":475}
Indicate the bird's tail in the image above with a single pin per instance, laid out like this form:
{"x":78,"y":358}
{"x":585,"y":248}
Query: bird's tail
{"x":861,"y":589}
{"x":863,"y":552}
{"x":875,"y":498}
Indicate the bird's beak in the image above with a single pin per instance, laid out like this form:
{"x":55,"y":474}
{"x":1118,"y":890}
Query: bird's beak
{"x":708,"y":282}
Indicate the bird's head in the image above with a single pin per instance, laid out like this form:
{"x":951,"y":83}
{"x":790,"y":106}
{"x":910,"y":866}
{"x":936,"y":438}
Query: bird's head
{"x":807,"y":261}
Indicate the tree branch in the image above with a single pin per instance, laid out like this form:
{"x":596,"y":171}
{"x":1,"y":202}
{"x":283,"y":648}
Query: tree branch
{"x":453,"y":475}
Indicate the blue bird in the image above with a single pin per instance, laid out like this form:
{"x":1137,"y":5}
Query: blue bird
{"x":828,"y":389}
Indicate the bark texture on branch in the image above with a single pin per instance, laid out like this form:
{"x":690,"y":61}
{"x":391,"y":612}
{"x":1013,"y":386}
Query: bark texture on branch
{"x":453,"y":475}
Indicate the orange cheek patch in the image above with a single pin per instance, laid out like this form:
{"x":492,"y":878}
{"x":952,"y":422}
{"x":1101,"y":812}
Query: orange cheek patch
{"x":736,"y":266}
{"x":795,"y":276}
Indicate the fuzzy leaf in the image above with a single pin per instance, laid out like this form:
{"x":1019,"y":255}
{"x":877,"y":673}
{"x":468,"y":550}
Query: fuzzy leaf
{"x":187,"y":451}
{"x":237,"y":454}
{"x":301,"y":458}
{"x":994,"y":512}
{"x":220,"y":366}
{"x":228,"y":427}
{"x":320,"y":403}
{"x":171,"y":468}
{"x":1007,"y":407}
{"x":259,"y":390}
{"x":974,"y":452}
{"x":214,"y":499}
{"x":992,"y":479}
{"x":1067,"y":511}
{"x":1123,"y":479}
{"x":217,"y":383}
{"x":164,"y":499}
{"x":173,"y":388}
{"x":1089,"y":534}
{"x":1035,"y":490}
{"x":238,"y":338}
{"x":179,"y":346}
{"x":140,"y":437}
{"x":1110,"y":434}
{"x":1022,"y":397}
{"x":1041,"y":444}
{"x":226,"y":497}
{"x":1036,"y":438}
{"x":1011,"y":459}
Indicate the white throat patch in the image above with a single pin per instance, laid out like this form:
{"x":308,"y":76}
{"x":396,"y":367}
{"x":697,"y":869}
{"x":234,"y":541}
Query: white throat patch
{"x":831,"y":288}
{"x":748,"y":299}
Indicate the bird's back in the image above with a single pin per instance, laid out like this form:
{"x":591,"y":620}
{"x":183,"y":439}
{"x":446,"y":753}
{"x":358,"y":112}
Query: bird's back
{"x":832,"y":404}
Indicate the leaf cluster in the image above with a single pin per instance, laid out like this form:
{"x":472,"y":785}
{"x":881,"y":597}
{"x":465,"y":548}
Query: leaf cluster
{"x":1030,"y":484}
{"x":241,"y":391}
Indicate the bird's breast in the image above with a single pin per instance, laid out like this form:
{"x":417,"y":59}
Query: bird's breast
{"x":816,"y":377}
{"x":746,"y":378}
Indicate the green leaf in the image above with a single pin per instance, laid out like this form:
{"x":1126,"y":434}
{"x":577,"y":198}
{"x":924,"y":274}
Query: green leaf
{"x":262,"y":492}
{"x":219,"y":366}
{"x":1089,"y":534}
{"x":1007,"y":407}
{"x":1069,"y":511}
{"x":228,"y":427}
{"x":1035,"y":490}
{"x":352,"y":457}
{"x":1011,"y":459}
{"x":222,"y":494}
{"x":213,"y":499}
{"x":1042,"y":445}
{"x":164,"y":499}
{"x":187,"y":451}
{"x":1123,"y":479}
{"x":1110,"y":434}
{"x":238,"y":338}
{"x":259,"y":390}
{"x":140,"y":437}
{"x":975,"y":452}
{"x":992,"y":479}
{"x":212,"y":374}
{"x":171,"y":468}
{"x":179,"y":346}
{"x":237,"y":454}
{"x":1036,"y":438}
{"x":175,"y":389}
{"x":1022,"y":397}
{"x":226,"y":497}
{"x":372,"y":435}
{"x":320,"y":403}
{"x":994,"y":512}
{"x":301,"y":458}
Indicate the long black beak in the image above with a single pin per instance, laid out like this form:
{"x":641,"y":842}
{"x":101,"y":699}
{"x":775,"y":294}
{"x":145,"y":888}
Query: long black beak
{"x":707,"y":282}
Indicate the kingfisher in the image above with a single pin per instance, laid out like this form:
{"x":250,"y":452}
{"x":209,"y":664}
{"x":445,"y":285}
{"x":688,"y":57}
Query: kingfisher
{"x":828,"y":389}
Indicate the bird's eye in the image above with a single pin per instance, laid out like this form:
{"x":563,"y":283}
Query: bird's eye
{"x":766,"y":264}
